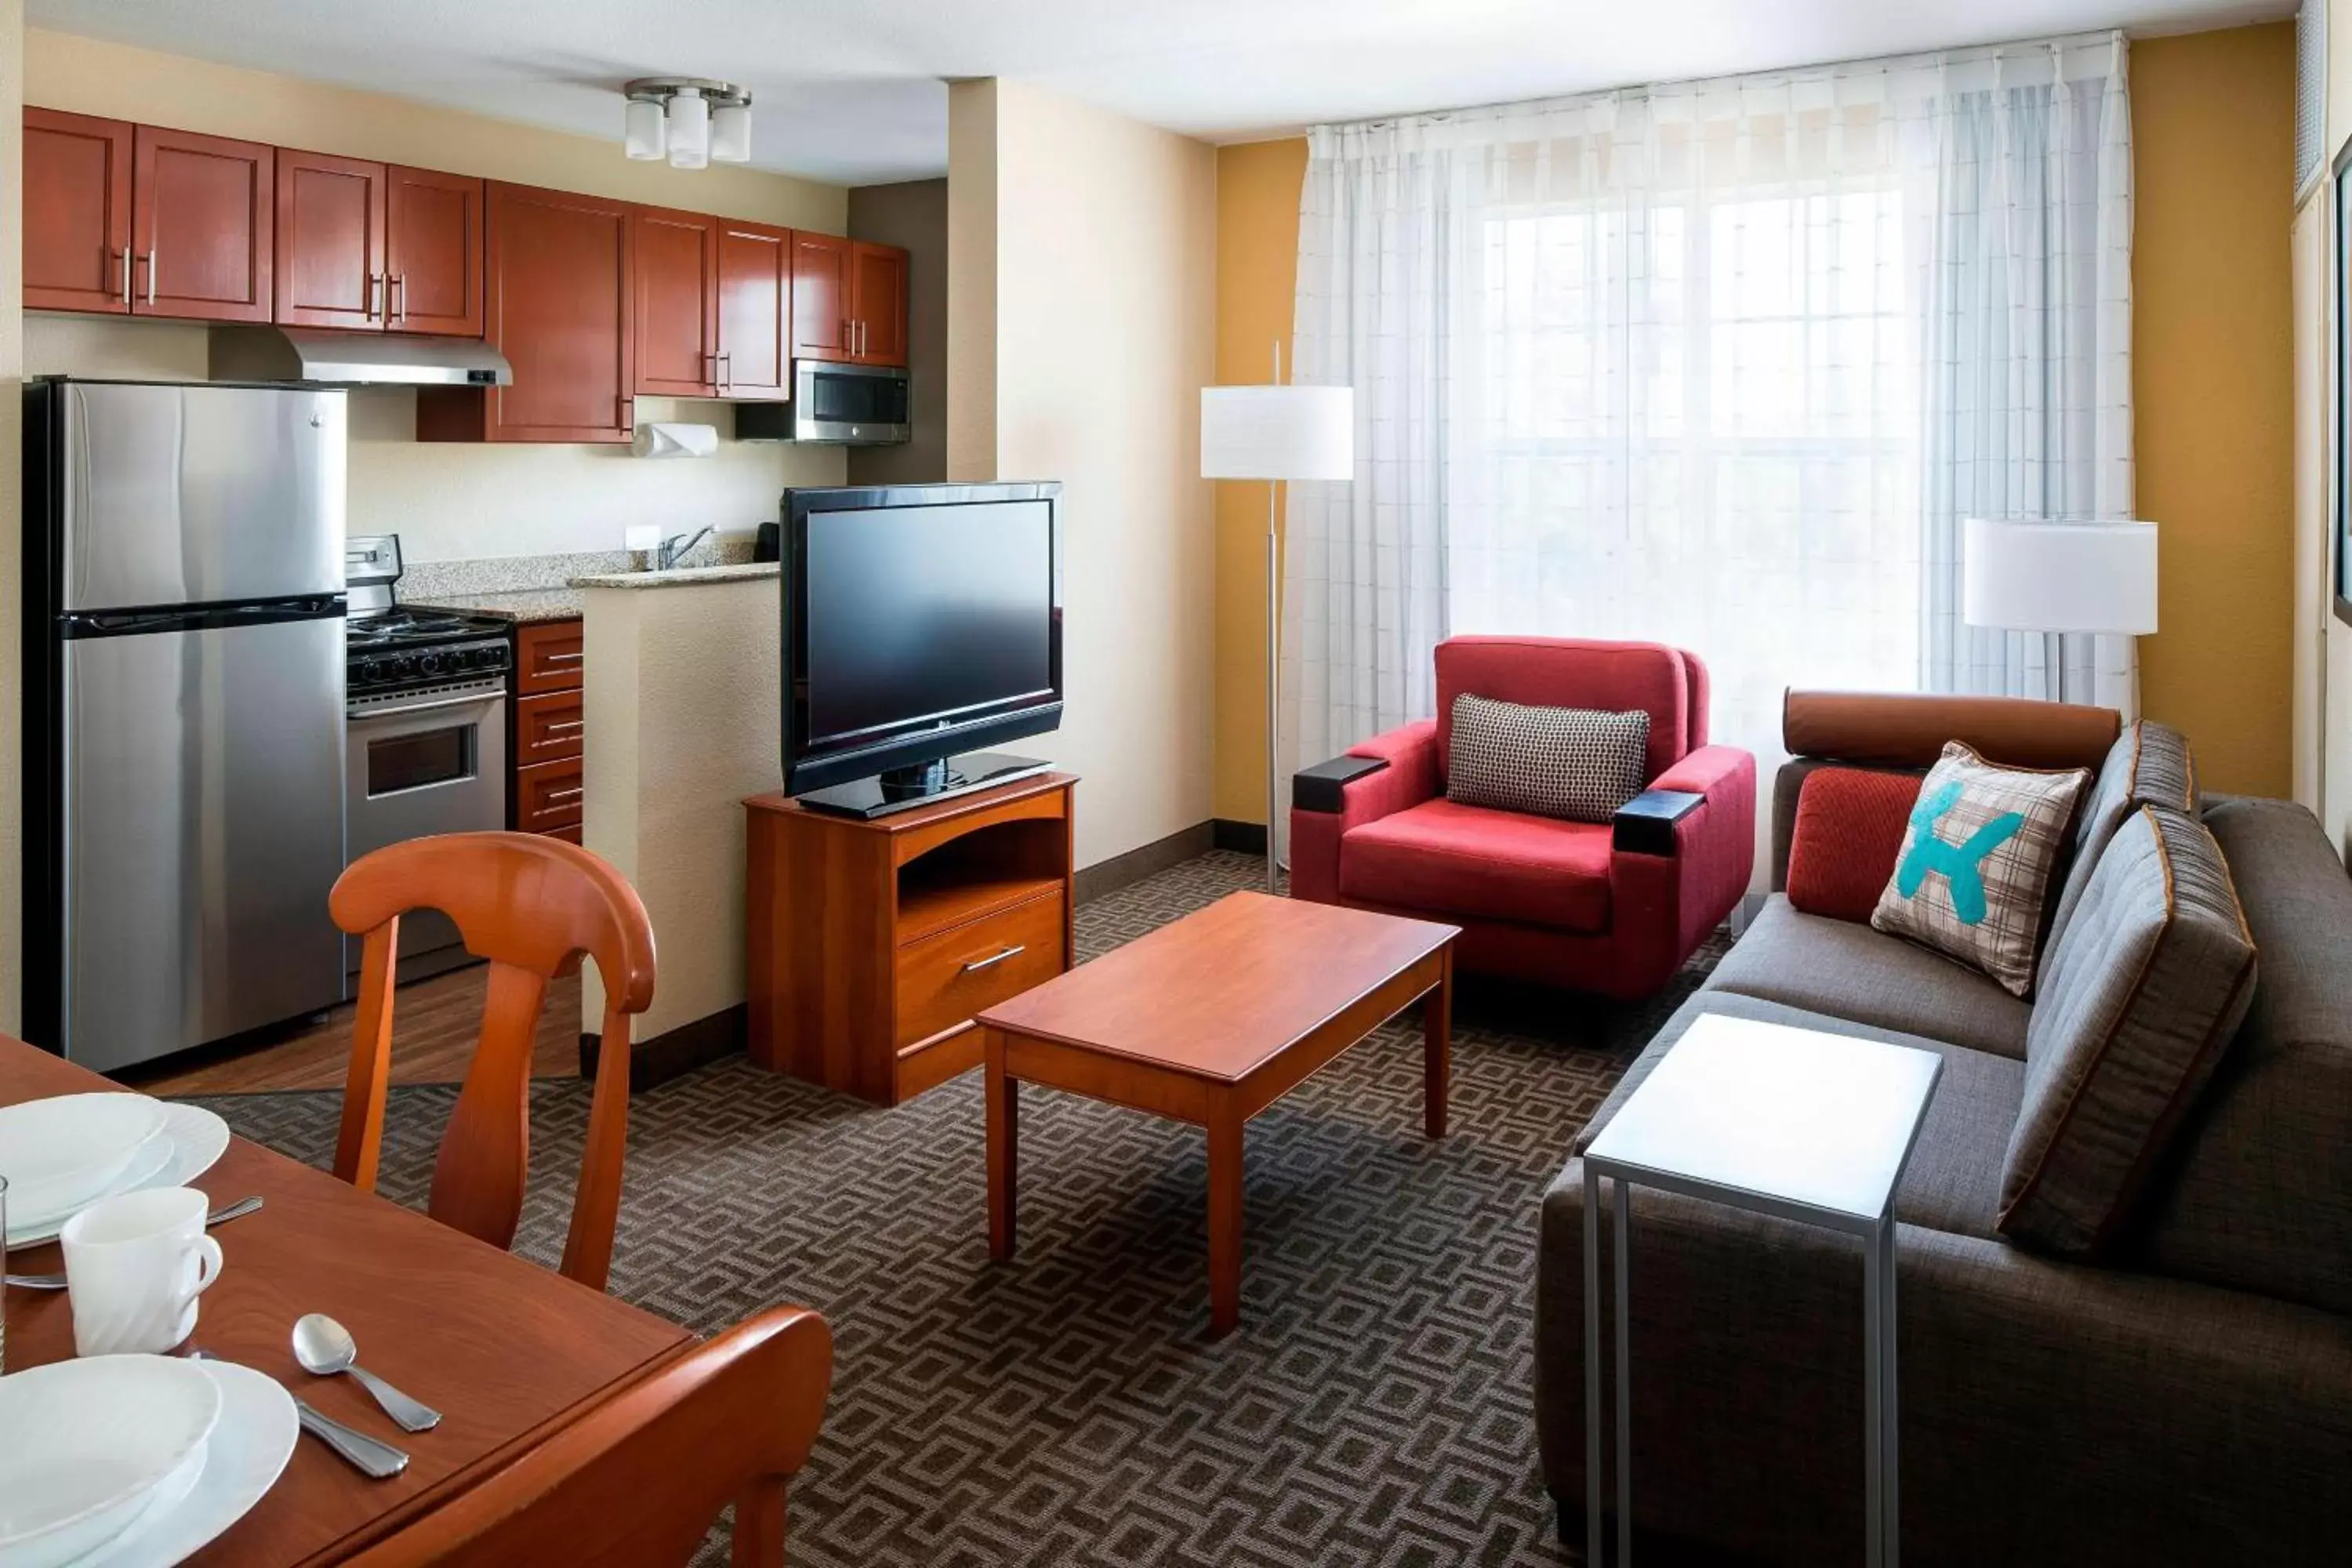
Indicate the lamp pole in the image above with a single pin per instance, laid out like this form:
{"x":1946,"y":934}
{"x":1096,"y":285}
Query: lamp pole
{"x":1273,"y":656}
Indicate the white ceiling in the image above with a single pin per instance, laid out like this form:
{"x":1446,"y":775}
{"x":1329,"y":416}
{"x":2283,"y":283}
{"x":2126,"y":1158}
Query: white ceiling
{"x":849,"y":90}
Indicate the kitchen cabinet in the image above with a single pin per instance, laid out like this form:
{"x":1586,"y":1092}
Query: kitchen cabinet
{"x":849,"y":300}
{"x":878,"y":311}
{"x":677,"y":264}
{"x":559,"y":306}
{"x":330,"y":242}
{"x":203,"y":229}
{"x":433,"y":256}
{"x":77,"y":212}
{"x":755,"y":311}
{"x":548,"y":789}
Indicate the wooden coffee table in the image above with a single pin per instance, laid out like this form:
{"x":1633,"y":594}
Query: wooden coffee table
{"x":1209,"y":1020}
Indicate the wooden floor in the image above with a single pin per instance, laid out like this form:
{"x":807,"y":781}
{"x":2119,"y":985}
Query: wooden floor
{"x":434,"y":1023}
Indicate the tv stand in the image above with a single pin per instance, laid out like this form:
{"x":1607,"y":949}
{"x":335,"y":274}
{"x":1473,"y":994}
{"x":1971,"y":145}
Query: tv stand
{"x":901,"y":789}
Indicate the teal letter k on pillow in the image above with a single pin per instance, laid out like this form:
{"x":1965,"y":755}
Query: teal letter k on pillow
{"x":1961,"y":864}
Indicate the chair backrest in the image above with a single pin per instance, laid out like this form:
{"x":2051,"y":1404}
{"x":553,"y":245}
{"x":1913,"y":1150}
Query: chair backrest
{"x":532,"y":906}
{"x":639,"y":1479}
{"x":1567,"y":672}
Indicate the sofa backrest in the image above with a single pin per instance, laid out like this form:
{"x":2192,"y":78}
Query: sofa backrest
{"x":1566,"y":672}
{"x":2255,"y":1190}
{"x":2151,"y":766}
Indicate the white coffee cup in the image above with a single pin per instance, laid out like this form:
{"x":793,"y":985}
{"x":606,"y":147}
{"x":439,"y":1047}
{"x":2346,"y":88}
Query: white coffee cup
{"x":134,"y":1267}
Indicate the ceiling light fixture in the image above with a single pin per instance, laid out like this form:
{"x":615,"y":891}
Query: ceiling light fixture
{"x":690,"y":120}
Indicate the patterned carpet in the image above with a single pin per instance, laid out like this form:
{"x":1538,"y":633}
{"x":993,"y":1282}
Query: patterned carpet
{"x":1064,"y":1408}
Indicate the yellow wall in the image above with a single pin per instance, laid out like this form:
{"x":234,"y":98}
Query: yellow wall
{"x":2212,"y":125}
{"x":2212,"y":388}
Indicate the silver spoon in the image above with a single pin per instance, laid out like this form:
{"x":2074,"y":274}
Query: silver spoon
{"x":325,"y":1347}
{"x":379,"y":1460}
{"x":222,"y":1215}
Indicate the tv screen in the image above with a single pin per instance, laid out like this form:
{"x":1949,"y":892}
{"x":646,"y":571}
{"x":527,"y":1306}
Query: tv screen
{"x":919,"y":621}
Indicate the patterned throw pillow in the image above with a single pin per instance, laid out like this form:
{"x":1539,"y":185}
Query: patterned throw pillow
{"x":1572,"y":763}
{"x":1974,"y":874}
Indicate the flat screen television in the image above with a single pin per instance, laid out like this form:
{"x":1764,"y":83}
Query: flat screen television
{"x":921,"y":625}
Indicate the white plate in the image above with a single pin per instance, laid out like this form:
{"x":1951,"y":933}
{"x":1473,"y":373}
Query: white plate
{"x":243,"y":1459}
{"x":197,"y":1139}
{"x":146,"y":1163}
{"x":112,"y":1429}
{"x":69,"y":1149}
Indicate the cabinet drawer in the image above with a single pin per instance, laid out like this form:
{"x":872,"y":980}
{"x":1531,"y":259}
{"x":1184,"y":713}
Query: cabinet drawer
{"x":548,"y":727}
{"x":547,"y":796}
{"x":547,"y":657}
{"x":569,"y":835}
{"x":937,"y":985}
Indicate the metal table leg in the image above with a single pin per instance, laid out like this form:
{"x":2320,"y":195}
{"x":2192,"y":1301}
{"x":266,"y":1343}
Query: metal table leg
{"x":1592,"y":1369}
{"x":1625,"y":1271}
{"x":1889,"y":1462}
{"x":1874,"y":1396}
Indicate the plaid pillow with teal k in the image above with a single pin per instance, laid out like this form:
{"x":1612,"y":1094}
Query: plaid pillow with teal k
{"x":1974,"y":875}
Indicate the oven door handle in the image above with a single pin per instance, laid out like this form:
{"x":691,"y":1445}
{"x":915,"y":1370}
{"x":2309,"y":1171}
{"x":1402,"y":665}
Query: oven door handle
{"x":466,"y":700}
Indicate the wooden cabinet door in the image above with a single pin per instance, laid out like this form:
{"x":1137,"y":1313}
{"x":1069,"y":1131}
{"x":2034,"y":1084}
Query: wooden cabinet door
{"x":821,"y":292}
{"x":432,"y":232}
{"x":877,"y":304}
{"x":77,"y":212}
{"x":201,"y":224}
{"x":330,"y":245}
{"x":755,"y":312}
{"x":557,"y":271}
{"x":677,"y":267}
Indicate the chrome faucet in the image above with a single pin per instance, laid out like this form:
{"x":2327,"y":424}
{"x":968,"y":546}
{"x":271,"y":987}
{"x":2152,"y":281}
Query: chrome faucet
{"x":671,"y":552}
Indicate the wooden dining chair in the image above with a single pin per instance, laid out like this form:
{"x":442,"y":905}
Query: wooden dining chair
{"x":638,"y":1481}
{"x":532,"y":906}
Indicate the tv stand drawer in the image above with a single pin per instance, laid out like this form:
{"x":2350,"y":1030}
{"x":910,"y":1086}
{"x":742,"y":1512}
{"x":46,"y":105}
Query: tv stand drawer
{"x":944,"y":979}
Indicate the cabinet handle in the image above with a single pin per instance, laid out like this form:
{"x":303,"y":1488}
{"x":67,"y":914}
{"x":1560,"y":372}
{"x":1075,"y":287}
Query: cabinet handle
{"x":126,"y":278}
{"x":374,"y":295}
{"x":399,"y":307}
{"x":975,"y":965}
{"x":564,"y":793}
{"x":150,"y":275}
{"x":562,"y":657}
{"x":726,"y":381}
{"x":567,"y":724}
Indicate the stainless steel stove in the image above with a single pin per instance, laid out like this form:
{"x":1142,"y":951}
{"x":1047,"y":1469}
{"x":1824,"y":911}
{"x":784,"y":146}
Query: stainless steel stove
{"x":425,"y":701}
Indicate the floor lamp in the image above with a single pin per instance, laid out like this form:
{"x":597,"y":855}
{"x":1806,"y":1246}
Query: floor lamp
{"x":1275,"y":433}
{"x":2030,"y":575}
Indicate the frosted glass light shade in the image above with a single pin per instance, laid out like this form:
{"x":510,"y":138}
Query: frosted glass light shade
{"x":1277,"y":432}
{"x":731,"y":134}
{"x":2058,"y":576}
{"x":690,"y":130}
{"x":641,"y":126}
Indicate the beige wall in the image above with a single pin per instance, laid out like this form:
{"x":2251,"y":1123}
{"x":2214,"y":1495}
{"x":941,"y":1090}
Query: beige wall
{"x":912,"y":216}
{"x":12,"y":414}
{"x":1103,"y":265}
{"x":972,"y":279}
{"x":446,"y":501}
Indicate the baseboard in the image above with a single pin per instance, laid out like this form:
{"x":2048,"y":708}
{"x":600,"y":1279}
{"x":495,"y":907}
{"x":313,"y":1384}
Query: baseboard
{"x":676,"y":1052}
{"x":1125,"y":870}
{"x":1248,"y":838}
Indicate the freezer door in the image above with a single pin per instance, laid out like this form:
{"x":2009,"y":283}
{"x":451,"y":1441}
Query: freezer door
{"x":199,"y":495}
{"x":203,"y":787}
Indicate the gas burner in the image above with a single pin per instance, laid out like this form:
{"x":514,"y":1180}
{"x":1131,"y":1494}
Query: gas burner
{"x":403,"y":626}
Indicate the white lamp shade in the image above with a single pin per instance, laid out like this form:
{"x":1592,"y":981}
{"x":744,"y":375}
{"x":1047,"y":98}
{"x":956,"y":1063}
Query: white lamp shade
{"x":642,"y":125}
{"x":1277,"y":432}
{"x":731,"y":134}
{"x":2036,"y":576}
{"x":690,"y":130}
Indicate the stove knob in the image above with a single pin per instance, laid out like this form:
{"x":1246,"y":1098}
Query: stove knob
{"x":404,"y":666}
{"x":430,"y":663}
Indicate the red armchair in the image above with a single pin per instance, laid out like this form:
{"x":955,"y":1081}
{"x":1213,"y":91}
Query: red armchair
{"x":1612,"y":908}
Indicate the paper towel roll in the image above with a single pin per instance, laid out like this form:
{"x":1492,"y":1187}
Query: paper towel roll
{"x":662,"y":440}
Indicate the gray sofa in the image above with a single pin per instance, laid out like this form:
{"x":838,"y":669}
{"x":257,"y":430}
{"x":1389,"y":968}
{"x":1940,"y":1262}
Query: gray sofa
{"x":2181,"y":1395}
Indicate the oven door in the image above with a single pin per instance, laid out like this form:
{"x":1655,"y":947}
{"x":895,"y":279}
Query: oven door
{"x":419,"y":763}
{"x":849,"y":405}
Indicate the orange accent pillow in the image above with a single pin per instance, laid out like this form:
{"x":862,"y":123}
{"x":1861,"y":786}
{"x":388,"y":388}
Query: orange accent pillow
{"x":1848,"y":835}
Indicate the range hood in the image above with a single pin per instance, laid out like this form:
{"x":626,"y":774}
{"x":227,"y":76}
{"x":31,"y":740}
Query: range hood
{"x":354,"y":359}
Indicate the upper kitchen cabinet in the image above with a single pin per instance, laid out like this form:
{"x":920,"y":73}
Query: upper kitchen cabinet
{"x":433,"y":256}
{"x":77,"y":212}
{"x":677,"y":263}
{"x":878,"y":312}
{"x":556,"y":280}
{"x":202,"y":226}
{"x":755,"y":311}
{"x":821,"y":298}
{"x":330,"y":242}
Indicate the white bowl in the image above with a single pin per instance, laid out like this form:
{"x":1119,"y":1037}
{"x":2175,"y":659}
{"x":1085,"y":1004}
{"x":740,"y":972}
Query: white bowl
{"x":64,"y":1150}
{"x":113,"y":1430}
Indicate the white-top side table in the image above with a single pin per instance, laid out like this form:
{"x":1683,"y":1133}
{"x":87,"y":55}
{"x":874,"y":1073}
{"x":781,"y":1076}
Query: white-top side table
{"x":1784,"y":1121}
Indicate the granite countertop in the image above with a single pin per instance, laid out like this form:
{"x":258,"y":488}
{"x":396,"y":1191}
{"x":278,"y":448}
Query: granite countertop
{"x":519,"y":606}
{"x":682,"y":577}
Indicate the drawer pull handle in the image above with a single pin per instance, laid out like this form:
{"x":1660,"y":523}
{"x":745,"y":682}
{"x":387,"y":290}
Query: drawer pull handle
{"x":559,"y":658}
{"x":567,"y":724}
{"x":564,"y":793}
{"x":994,"y":959}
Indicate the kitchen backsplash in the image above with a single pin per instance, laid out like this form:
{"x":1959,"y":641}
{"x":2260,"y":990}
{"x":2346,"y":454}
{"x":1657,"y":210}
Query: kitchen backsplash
{"x":424,"y":581}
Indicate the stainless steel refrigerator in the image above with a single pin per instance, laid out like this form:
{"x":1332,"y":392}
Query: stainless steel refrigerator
{"x":184,"y":712}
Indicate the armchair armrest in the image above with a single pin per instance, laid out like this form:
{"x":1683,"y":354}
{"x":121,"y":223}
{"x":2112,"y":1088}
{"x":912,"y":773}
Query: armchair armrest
{"x":1646,"y":824}
{"x":1373,"y":779}
{"x":1693,"y":855}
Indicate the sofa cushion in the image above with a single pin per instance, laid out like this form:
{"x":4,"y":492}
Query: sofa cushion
{"x":2150,"y":765}
{"x":1579,"y":765}
{"x":2256,"y":1192}
{"x":1953,"y":1179}
{"x":2143,"y":992}
{"x":1445,"y":857}
{"x":1855,"y":973}
{"x":1843,"y":846}
{"x":1974,"y":874}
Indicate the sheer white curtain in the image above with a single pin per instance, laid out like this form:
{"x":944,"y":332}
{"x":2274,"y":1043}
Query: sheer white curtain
{"x":1719,"y":364}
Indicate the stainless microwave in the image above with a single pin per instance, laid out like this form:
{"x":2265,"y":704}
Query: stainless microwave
{"x":849,"y":405}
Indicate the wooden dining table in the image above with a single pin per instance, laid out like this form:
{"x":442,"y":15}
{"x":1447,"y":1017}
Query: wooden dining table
{"x":509,"y":1351}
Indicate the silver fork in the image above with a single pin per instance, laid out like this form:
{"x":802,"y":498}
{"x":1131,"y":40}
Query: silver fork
{"x":220,"y":1216}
